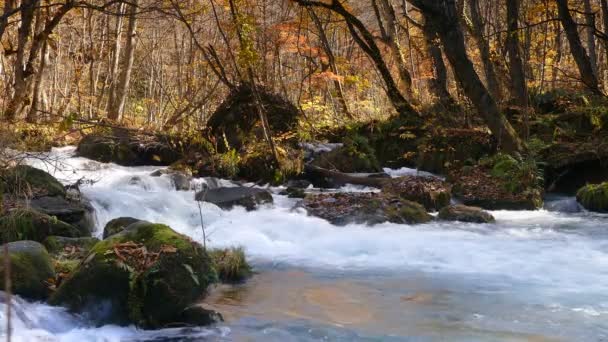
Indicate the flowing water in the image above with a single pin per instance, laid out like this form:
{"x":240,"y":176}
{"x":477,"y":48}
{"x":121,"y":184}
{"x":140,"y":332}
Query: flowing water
{"x":531,"y":276}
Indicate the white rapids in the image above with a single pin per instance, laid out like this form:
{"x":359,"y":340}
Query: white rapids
{"x":543,"y":261}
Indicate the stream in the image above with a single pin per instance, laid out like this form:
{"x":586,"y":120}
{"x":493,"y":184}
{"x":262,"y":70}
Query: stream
{"x":532,"y":276}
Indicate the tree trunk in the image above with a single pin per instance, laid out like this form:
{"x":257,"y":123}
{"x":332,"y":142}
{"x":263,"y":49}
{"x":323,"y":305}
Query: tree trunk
{"x":604,"y":5}
{"x":476,"y":29}
{"x":442,"y":15}
{"x":117,"y":106}
{"x":438,"y":84}
{"x":33,"y":112}
{"x":576,"y":48}
{"x":391,"y":36}
{"x":590,"y":35}
{"x":516,"y":68}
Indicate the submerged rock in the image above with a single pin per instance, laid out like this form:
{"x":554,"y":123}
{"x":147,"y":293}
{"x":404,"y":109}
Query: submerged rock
{"x":197,"y":315}
{"x":150,"y":275}
{"x":29,"y":224}
{"x":227,"y":198}
{"x":433,"y":193}
{"x":594,"y":197}
{"x":364,"y":208}
{"x":30,"y":269}
{"x":117,"y":225}
{"x":26,"y":181}
{"x":465,"y":213}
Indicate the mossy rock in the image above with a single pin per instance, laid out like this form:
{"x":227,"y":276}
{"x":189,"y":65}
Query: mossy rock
{"x":30,"y":266}
{"x":227,"y":198}
{"x":594,"y":197}
{"x":465,"y":213}
{"x":150,"y":274}
{"x":433,"y":193}
{"x":28,"y":224}
{"x":356,"y":155}
{"x":27,"y":180}
{"x":106,"y":149}
{"x":292,"y":192}
{"x":230,"y":265}
{"x":117,"y":225}
{"x":58,"y":244}
{"x":364,"y":208}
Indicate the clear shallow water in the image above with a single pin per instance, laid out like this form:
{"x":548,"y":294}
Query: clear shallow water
{"x":532,"y":276}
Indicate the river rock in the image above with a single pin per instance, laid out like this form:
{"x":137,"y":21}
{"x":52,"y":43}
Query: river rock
{"x":594,"y":197}
{"x":180,"y":180}
{"x":364,"y":208}
{"x":354,"y":156}
{"x":26,"y":181}
{"x":433,"y":193}
{"x":475,"y":186}
{"x":77,"y":213}
{"x":31,"y":268}
{"x":465,"y":213}
{"x":227,"y":198}
{"x":117,"y":225}
{"x":128,"y":148}
{"x":197,"y":315}
{"x":29,"y":224}
{"x":150,"y":275}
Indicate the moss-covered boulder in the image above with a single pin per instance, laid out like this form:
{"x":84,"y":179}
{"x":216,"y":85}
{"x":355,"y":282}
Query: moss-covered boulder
{"x":31,"y":269}
{"x":29,"y":224}
{"x":150,"y":275}
{"x":76,"y":213}
{"x":433,"y":193}
{"x":129,"y":148}
{"x":236,"y":119}
{"x":28,"y":181}
{"x":364,"y":208}
{"x":355,"y":155}
{"x":465,"y":213}
{"x":594,"y":197}
{"x":501,"y":182}
{"x":117,"y":225}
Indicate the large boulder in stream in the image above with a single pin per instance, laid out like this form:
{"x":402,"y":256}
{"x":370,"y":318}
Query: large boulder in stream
{"x":227,"y":198}
{"x":594,"y":197}
{"x":465,"y":213}
{"x":77,"y":213}
{"x":355,"y":155}
{"x":433,"y":193}
{"x":364,"y":208}
{"x":31,"y":269}
{"x":28,"y":181}
{"x":129,"y":148}
{"x":29,"y":224}
{"x":150,"y":275}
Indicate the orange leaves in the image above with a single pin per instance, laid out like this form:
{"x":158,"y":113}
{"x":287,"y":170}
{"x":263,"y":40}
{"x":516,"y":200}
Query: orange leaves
{"x":137,"y":256}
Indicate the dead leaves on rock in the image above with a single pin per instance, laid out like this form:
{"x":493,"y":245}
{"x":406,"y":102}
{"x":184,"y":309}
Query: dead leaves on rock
{"x":136,"y":256}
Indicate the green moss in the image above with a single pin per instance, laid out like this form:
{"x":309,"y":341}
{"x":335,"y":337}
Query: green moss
{"x":594,"y":197}
{"x":24,"y":179}
{"x":30,"y":266}
{"x":28,"y":224}
{"x":149,"y":295}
